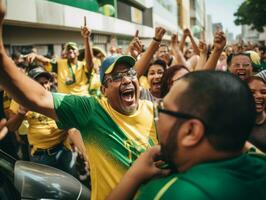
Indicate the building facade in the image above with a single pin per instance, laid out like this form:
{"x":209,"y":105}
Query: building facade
{"x":47,"y":24}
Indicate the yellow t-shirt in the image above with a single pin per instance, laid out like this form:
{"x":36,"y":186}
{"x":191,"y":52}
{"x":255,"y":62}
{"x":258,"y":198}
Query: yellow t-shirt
{"x":43,"y":132}
{"x":80,"y":86}
{"x":143,"y":81}
{"x":112,"y":140}
{"x":23,"y":129}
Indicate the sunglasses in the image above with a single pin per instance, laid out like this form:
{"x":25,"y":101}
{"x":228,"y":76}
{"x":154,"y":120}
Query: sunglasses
{"x":159,"y":108}
{"x":117,"y":77}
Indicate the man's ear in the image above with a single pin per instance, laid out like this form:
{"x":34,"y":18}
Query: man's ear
{"x":103,"y":90}
{"x":191,"y":133}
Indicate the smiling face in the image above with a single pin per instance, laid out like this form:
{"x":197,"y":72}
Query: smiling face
{"x":258,"y":89}
{"x":71,"y":53}
{"x":123,"y":94}
{"x":163,"y":54}
{"x":241,"y":66}
{"x":154,"y":76}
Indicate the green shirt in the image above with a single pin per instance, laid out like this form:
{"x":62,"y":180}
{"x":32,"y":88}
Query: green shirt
{"x":112,"y":140}
{"x":243,"y":178}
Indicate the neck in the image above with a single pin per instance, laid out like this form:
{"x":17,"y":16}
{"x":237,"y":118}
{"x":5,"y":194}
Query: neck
{"x":156,"y":94}
{"x":73,"y":61}
{"x":261,"y":117}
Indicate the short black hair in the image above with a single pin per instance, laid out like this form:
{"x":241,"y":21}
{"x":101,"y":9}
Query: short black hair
{"x":226,"y":105}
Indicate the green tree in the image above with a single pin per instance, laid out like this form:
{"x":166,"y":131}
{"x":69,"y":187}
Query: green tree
{"x":252,"y":12}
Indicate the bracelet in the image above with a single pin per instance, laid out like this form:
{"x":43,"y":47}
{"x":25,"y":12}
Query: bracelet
{"x":21,"y":112}
{"x":156,"y":40}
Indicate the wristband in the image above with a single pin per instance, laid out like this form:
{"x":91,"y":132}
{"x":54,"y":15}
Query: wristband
{"x":156,"y":40}
{"x":21,"y":112}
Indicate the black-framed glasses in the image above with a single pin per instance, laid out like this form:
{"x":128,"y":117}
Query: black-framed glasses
{"x":117,"y":77}
{"x":159,"y":108}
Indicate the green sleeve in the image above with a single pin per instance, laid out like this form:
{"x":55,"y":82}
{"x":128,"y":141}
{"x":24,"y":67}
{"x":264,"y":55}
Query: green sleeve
{"x":73,"y":111}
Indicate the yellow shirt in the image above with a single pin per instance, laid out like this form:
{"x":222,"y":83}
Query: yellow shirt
{"x":43,"y":132}
{"x":80,"y":86}
{"x":143,"y":81}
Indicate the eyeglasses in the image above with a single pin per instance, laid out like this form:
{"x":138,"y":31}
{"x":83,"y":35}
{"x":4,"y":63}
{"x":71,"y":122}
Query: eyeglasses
{"x":117,"y":77}
{"x":159,"y":107}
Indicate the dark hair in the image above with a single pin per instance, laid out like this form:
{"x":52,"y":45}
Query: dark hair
{"x":167,"y":77}
{"x":232,"y":55}
{"x":252,"y":78}
{"x":164,"y":45}
{"x":16,"y":55}
{"x":226,"y":105}
{"x":156,"y":62}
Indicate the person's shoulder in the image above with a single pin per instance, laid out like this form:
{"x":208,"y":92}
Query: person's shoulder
{"x":170,"y":187}
{"x":73,"y":98}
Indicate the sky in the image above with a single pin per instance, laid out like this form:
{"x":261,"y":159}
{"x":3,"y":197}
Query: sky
{"x":223,"y":11}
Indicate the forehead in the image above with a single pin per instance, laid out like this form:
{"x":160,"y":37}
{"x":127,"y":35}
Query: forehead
{"x":175,"y":93}
{"x":257,"y":84}
{"x":240,"y":58}
{"x":156,"y":67}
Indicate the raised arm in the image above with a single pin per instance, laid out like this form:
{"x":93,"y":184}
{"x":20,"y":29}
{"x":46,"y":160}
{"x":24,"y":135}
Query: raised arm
{"x":219,"y":44}
{"x":142,"y":64}
{"x":203,"y":56}
{"x":85,"y":33}
{"x":24,"y":90}
{"x":16,"y":119}
{"x":33,"y":56}
{"x":183,"y":41}
{"x":135,"y":46}
{"x":178,"y":55}
{"x":193,"y":43}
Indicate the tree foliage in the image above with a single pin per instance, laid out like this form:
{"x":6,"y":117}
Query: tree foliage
{"x":252,"y":12}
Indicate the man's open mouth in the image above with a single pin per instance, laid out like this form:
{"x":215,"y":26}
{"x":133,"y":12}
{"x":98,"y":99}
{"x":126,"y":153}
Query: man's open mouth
{"x":128,"y":95}
{"x":241,"y":74}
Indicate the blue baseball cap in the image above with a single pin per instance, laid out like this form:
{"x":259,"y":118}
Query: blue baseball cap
{"x":110,"y":62}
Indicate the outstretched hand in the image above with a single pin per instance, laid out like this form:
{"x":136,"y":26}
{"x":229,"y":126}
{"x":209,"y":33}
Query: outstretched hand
{"x":203,"y":47}
{"x":187,"y":32}
{"x":159,"y":33}
{"x":135,"y":46}
{"x":219,"y":40}
{"x":147,"y":166}
{"x":85,"y":31}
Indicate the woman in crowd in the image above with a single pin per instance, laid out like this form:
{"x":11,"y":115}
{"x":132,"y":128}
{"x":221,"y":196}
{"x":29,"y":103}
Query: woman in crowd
{"x":258,"y":135}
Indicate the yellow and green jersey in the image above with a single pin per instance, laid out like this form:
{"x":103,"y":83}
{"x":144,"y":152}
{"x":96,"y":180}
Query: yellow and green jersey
{"x":113,"y":140}
{"x":64,"y":74}
{"x":242,"y":177}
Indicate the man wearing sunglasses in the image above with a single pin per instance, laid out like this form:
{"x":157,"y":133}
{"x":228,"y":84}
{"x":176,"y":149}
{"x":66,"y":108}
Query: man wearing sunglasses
{"x":202,"y":138}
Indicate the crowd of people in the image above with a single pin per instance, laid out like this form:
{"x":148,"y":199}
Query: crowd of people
{"x":177,"y":119}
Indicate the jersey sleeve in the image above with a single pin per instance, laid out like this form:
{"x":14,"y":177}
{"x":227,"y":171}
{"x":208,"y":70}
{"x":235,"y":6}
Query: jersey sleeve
{"x":73,"y":111}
